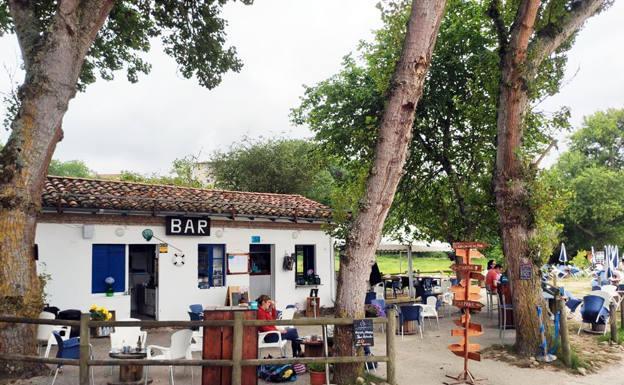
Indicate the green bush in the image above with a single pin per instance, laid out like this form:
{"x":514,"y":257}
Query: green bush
{"x":580,"y":260}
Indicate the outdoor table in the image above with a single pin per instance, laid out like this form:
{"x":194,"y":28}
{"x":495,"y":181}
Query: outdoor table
{"x":129,"y":374}
{"x":313,"y":348}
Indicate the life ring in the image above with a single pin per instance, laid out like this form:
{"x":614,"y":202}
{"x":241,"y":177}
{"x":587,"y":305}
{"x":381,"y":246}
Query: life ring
{"x":178,"y":260}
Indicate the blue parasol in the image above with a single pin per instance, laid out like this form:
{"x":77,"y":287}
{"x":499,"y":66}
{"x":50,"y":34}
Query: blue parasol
{"x":563,"y":255}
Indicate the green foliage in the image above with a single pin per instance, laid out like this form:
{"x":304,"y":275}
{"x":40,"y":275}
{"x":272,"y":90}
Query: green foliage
{"x":74,"y":168}
{"x":446,"y":189}
{"x":286,"y":166}
{"x":181,"y":174}
{"x":316,"y":367}
{"x":192,"y":32}
{"x":580,"y":259}
{"x":592,"y":173}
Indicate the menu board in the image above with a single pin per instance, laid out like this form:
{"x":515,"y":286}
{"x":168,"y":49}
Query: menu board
{"x":238,"y":263}
{"x":363,"y":332}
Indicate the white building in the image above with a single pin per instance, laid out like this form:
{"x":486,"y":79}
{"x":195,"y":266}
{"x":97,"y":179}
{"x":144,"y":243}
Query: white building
{"x":90,"y":230}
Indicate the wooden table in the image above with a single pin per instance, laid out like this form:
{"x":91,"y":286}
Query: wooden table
{"x":313,"y":348}
{"x":129,"y":374}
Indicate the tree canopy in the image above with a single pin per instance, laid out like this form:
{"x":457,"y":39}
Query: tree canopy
{"x":592,"y":172}
{"x":192,"y":32}
{"x":286,"y":166}
{"x":446,"y":191}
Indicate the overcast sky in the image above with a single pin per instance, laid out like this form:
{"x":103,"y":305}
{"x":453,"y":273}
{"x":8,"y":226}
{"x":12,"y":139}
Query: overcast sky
{"x":283,"y":44}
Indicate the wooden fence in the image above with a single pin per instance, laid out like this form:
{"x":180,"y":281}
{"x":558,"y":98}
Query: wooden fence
{"x":236,"y":362}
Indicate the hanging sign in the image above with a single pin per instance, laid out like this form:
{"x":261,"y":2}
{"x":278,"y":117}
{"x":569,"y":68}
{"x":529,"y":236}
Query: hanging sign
{"x":188,"y":226}
{"x":461,"y":267}
{"x":526,"y":271}
{"x":363,"y":332}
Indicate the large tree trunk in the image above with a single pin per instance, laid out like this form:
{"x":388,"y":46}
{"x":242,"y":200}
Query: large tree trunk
{"x":395,"y":134}
{"x":53,"y":61}
{"x":512,"y":195}
{"x":518,"y":70}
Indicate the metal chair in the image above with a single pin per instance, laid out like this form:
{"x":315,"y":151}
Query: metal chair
{"x":69,"y":348}
{"x":490,"y":295}
{"x":411,"y":313}
{"x":197,"y":341}
{"x":502,"y":315}
{"x":594,"y":311}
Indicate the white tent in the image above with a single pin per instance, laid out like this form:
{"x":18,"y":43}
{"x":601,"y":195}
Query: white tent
{"x":400,"y":242}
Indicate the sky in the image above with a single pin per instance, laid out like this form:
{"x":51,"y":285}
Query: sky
{"x":284,"y":44}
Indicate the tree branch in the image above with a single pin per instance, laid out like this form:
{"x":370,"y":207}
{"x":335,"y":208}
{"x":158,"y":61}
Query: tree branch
{"x":553,"y":143}
{"x":27,"y":28}
{"x":494,"y":12}
{"x":553,"y":34}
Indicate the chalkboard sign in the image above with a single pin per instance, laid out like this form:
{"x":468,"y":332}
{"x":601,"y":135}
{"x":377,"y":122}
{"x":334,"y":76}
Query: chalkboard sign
{"x":363,"y":331}
{"x":526,"y":271}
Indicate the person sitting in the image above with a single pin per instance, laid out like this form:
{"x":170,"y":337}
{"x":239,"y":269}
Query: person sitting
{"x":267,"y":311}
{"x":492,"y":277}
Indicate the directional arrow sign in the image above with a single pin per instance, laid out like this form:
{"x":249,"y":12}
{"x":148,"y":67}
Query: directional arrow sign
{"x":473,"y":330}
{"x":473,"y":351}
{"x":468,"y":304}
{"x":465,"y":268}
{"x":461,"y":296}
{"x":469,"y":245}
{"x":460,"y":289}
{"x":477,"y":276}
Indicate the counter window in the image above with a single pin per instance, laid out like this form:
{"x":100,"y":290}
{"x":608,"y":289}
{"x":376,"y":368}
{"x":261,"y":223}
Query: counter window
{"x":210,"y":266}
{"x":260,"y":259}
{"x":108,"y":261}
{"x":305,"y":259}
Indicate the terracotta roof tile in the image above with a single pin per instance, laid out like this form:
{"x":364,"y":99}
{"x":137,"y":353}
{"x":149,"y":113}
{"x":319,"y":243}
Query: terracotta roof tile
{"x":83,"y":193}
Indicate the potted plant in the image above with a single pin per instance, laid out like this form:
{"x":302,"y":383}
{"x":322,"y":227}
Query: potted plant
{"x":317,"y":373}
{"x":100,"y":313}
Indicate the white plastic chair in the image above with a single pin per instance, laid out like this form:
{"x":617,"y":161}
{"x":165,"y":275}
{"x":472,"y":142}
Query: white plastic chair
{"x":380,"y":290}
{"x":429,"y":310}
{"x":44,"y":333}
{"x":179,"y":349}
{"x":126,"y":335}
{"x":279,"y":344}
{"x":287,"y":314}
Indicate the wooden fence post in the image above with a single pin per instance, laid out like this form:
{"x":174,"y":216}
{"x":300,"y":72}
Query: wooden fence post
{"x":613,"y":322}
{"x":84,"y":349}
{"x":563,"y":331}
{"x":390,"y":336}
{"x":237,"y":349}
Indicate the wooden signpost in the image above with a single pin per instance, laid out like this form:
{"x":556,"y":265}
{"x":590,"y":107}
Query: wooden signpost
{"x":466,"y":297}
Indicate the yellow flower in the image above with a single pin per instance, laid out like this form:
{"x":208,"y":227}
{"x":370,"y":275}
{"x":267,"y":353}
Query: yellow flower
{"x":108,"y":316}
{"x":105,"y":312}
{"x":93,"y":308}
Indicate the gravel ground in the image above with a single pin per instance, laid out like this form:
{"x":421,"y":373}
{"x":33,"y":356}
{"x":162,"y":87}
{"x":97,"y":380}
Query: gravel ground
{"x":419,"y":361}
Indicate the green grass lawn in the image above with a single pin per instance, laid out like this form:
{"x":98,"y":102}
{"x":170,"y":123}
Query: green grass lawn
{"x":390,"y":264}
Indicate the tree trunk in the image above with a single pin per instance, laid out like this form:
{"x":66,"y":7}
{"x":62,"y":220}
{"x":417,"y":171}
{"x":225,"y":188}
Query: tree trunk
{"x":395,"y":134}
{"x":53,"y":61}
{"x":512,"y":195}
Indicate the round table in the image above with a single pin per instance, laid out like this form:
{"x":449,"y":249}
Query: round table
{"x":129,"y":374}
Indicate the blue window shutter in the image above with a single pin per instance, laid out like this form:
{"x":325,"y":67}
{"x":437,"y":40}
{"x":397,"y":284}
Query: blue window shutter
{"x":117,"y":266}
{"x":108,"y":261}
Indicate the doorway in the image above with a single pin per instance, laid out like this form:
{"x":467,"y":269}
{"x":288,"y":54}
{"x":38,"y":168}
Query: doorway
{"x":261,"y":265}
{"x":143,"y":281}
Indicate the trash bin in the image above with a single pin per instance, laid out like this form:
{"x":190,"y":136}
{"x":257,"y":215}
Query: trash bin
{"x":72,"y":315}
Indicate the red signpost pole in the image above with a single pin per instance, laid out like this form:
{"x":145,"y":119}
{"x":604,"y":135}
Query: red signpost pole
{"x":466,"y":297}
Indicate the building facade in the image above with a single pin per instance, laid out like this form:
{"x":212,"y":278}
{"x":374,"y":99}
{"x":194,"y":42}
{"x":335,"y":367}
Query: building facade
{"x":150,"y":251}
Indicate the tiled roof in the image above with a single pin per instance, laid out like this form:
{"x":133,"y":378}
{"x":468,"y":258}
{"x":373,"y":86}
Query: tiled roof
{"x":93,"y":194}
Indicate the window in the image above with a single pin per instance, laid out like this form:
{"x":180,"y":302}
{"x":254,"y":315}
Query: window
{"x":260,"y":259}
{"x":306,"y":263}
{"x":210,"y":266}
{"x":108,"y":261}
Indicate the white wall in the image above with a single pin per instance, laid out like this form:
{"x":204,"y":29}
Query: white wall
{"x":66,"y":256}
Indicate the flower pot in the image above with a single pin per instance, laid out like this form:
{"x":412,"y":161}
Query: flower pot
{"x":317,"y":378}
